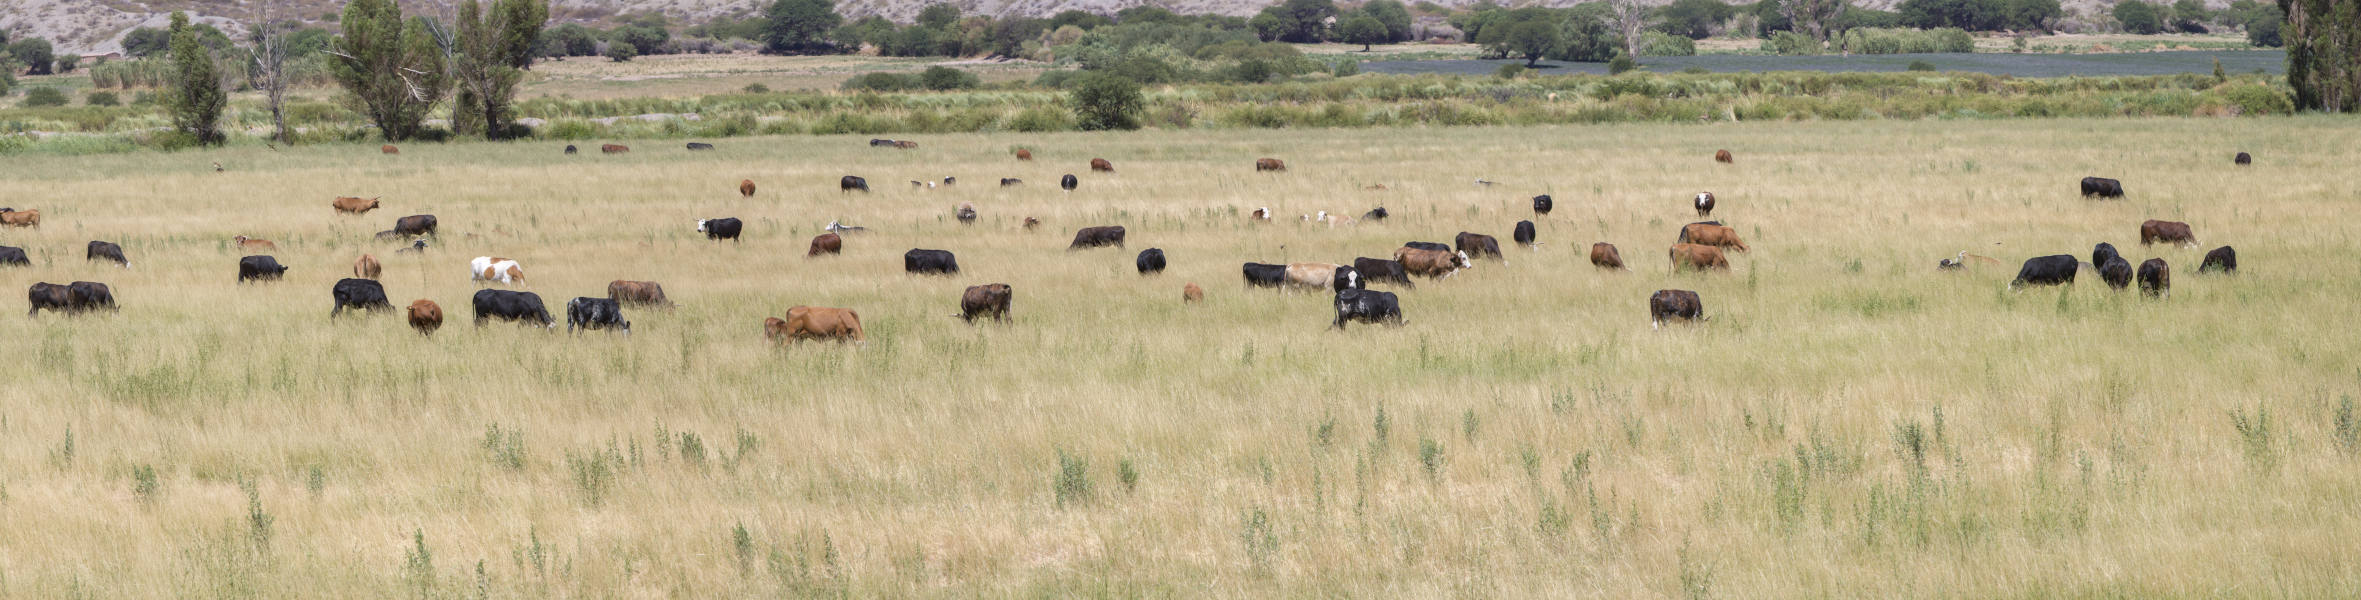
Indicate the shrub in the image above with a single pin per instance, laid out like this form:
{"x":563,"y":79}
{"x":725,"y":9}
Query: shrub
{"x":1346,"y":68}
{"x":2139,"y":17}
{"x":1621,"y":64}
{"x":1789,"y":43}
{"x":2257,"y":99}
{"x":102,"y":99}
{"x":1656,"y":43}
{"x":1103,"y":102}
{"x":44,"y":96}
{"x":1510,"y":71}
{"x":882,"y":82}
{"x":1920,"y":65}
{"x":946,"y":78}
{"x":757,"y":88}
{"x":1034,"y":120}
{"x":621,"y":52}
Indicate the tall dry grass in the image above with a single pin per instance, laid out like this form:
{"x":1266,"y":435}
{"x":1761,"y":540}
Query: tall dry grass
{"x":1850,"y":423}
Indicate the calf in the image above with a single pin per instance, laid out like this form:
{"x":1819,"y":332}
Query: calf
{"x":1100,"y":165}
{"x":388,"y":149}
{"x":415,"y":225}
{"x":2242,"y":159}
{"x":354,"y":205}
{"x":367,"y":267}
{"x":1367,"y":306}
{"x":259,"y":267}
{"x":570,"y":150}
{"x":358,"y":294}
{"x":2116,"y":272}
{"x":2155,"y":278}
{"x":2054,"y":269}
{"x":936,"y":262}
{"x":1712,"y":234}
{"x":2153,"y":231}
{"x":107,"y":251}
{"x":746,"y":188}
{"x":1068,"y":182}
{"x":966,"y":214}
{"x":1378,"y":269}
{"x":990,"y":300}
{"x":1431,"y":263}
{"x":644,"y":293}
{"x":1375,"y":214}
{"x":1262,"y":275}
{"x":1523,"y":234}
{"x":425,"y":316}
{"x":1477,"y":245}
{"x":1699,"y":257}
{"x":725,"y":228}
{"x":1150,"y":261}
{"x":850,"y":183}
{"x":613,"y":148}
{"x":1542,"y":204}
{"x":247,"y":243}
{"x":2101,"y":187}
{"x":1011,"y":182}
{"x":1268,"y":164}
{"x":1679,"y":305}
{"x":812,"y":322}
{"x":594,"y":313}
{"x":494,"y":268}
{"x":1704,"y":204}
{"x":1323,"y":276}
{"x":506,"y":305}
{"x":21,"y":218}
{"x":14,"y":256}
{"x":2224,"y":259}
{"x":1024,"y":154}
{"x":1722,"y":156}
{"x":1191,"y":294}
{"x":1604,"y":256}
{"x":905,"y":144}
{"x":826,"y":243}
{"x":1260,"y":214}
{"x":1093,"y":237}
{"x":699,"y":146}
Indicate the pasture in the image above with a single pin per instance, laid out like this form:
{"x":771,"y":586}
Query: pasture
{"x":1997,"y":63}
{"x":1849,"y":423}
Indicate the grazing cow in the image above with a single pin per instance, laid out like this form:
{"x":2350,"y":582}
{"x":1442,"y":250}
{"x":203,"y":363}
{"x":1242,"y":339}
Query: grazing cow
{"x":812,"y":322}
{"x":937,"y":262}
{"x":2155,"y":278}
{"x":1704,"y":204}
{"x":1327,"y":277}
{"x":1367,"y":306}
{"x":2178,"y":233}
{"x":1432,"y":263}
{"x":2054,"y":269}
{"x":1263,"y":275}
{"x":388,"y":149}
{"x":511,"y":306}
{"x":247,"y":243}
{"x":1068,"y":182}
{"x":644,"y":293}
{"x":415,"y":225}
{"x":2116,"y":272}
{"x":347,"y":204}
{"x":1023,"y":154}
{"x":2243,"y":159}
{"x":358,"y":294}
{"x":905,"y":144}
{"x":613,"y":148}
{"x":1093,"y":237}
{"x":417,"y":246}
{"x":494,"y":268}
{"x":72,"y":298}
{"x":1011,"y":182}
{"x":1428,"y":246}
{"x":106,"y":250}
{"x":2224,"y":259}
{"x":699,"y":146}
{"x":2101,"y":187}
{"x":1268,"y":164}
{"x":1190,"y":293}
{"x":1523,"y":233}
{"x":1722,"y":156}
{"x":725,"y":228}
{"x":850,"y":183}
{"x":746,"y":188}
{"x":1375,"y":214}
{"x":1698,"y":256}
{"x":1378,"y":269}
{"x":1604,"y":256}
{"x":966,"y":213}
{"x":11,"y":255}
{"x":1260,"y":214}
{"x":990,"y":300}
{"x":2100,"y":253}
{"x":826,"y":243}
{"x":839,"y":227}
{"x":1542,"y":204}
{"x":1712,"y":234}
{"x":1031,"y":223}
{"x":1478,"y":245}
{"x":878,"y":143}
{"x":1679,"y":305}
{"x":92,"y":295}
{"x":259,"y":267}
{"x":774,"y":329}
{"x":1150,"y":261}
{"x":570,"y":149}
{"x":26,"y":218}
{"x":425,"y":316}
{"x":1100,"y":165}
{"x":595,"y":313}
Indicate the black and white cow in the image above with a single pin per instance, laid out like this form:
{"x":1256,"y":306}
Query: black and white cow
{"x":1679,"y":305}
{"x":725,"y":228}
{"x":1367,"y":306}
{"x":595,"y":313}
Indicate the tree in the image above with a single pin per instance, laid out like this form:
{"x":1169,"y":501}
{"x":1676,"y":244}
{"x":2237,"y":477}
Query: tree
{"x":492,"y":52}
{"x":195,"y":98}
{"x":269,"y":71}
{"x":1812,"y":16}
{"x":146,"y":41}
{"x":1106,"y":102}
{"x":2189,"y":16}
{"x":2262,"y":27}
{"x":800,"y":26}
{"x":1630,"y":18}
{"x":393,"y":67}
{"x":621,"y":52}
{"x":1364,"y":30}
{"x":1393,"y":15}
{"x":570,"y":40}
{"x":2139,"y":17}
{"x":1531,"y":40}
{"x":2033,"y":14}
{"x":1298,"y":21}
{"x":2323,"y":40}
{"x":69,"y":62}
{"x":1694,"y":19}
{"x":1586,"y":38}
{"x":938,"y":16}
{"x":35,"y":53}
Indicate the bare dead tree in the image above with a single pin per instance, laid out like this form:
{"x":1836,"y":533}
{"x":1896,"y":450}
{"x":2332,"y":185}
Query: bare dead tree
{"x":270,"y":66}
{"x":1630,"y":18}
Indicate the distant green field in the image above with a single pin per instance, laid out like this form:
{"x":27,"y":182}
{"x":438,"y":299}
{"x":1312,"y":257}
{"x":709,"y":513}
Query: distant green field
{"x":2018,"y":65}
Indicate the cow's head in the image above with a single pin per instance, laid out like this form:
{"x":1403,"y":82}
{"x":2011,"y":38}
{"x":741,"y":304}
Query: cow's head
{"x":1460,"y":260}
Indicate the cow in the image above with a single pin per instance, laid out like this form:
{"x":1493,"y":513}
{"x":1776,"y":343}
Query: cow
{"x":1722,"y":156}
{"x":2101,"y":187}
{"x":79,"y":296}
{"x":1150,"y":261}
{"x":613,"y":148}
{"x":1268,"y":164}
{"x":966,"y":214}
{"x":725,"y":228}
{"x":106,"y":250}
{"x":1704,"y":204}
{"x":1011,"y":182}
{"x":1023,"y":154}
{"x":2242,"y":159}
{"x":358,"y":294}
{"x":1367,"y":306}
{"x":26,"y":218}
{"x":425,"y":316}
{"x":1260,"y":214}
{"x":1428,"y":246}
{"x":1679,"y":305}
{"x":570,"y":150}
{"x":1542,"y":204}
{"x":1432,"y":263}
{"x":905,"y":145}
{"x":1712,"y":234}
{"x":511,"y":306}
{"x":11,"y":255}
{"x":880,"y":143}
{"x":746,"y":188}
{"x":1100,"y":165}
{"x":936,"y":262}
{"x":826,"y":243}
{"x":990,"y":300}
{"x":774,"y":329}
{"x":1265,"y":275}
{"x":1323,"y":276}
{"x":595,"y":313}
{"x":347,"y":204}
{"x":1477,"y":245}
{"x":2153,"y":231}
{"x":259,"y":267}
{"x":416,"y":246}
{"x":850,"y":183}
{"x":2155,"y":278}
{"x":247,"y":243}
{"x":1190,"y":293}
{"x":2116,"y":272}
{"x":1604,"y":256}
{"x":643,"y":293}
{"x":1378,"y":269}
{"x":812,"y":322}
{"x":388,"y":149}
{"x":56,"y":298}
{"x":1698,"y":256}
{"x":494,"y":268}
{"x":1093,"y":237}
{"x":2224,"y":259}
{"x":1375,"y":214}
{"x":2100,"y":253}
{"x":2055,"y":269}
{"x":1523,"y":234}
{"x":415,"y":225}
{"x":1068,"y":182}
{"x":699,"y":146}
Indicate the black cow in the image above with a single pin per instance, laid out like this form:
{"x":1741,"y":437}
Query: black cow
{"x":1680,"y":305}
{"x":1068,"y":182}
{"x":2224,"y":259}
{"x":1010,"y":181}
{"x":2155,"y":278}
{"x":259,"y":267}
{"x":697,"y":146}
{"x":874,"y":142}
{"x":92,"y":295}
{"x":358,"y":294}
{"x":1093,"y":237}
{"x":938,"y":262}
{"x":2054,"y":269}
{"x":415,"y":225}
{"x":725,"y":228}
{"x":1262,"y":275}
{"x":11,"y":255}
{"x":1429,"y":246}
{"x":590,"y":313}
{"x":2243,"y":159}
{"x":1524,"y":233}
{"x":1346,"y":278}
{"x":1375,"y":214}
{"x":2116,"y":272}
{"x":1478,"y":245}
{"x":850,"y":183}
{"x":106,"y":250}
{"x":1150,"y":261}
{"x":1542,"y":204}
{"x":2099,"y":254}
{"x":2102,"y":187}
{"x":570,"y":149}
{"x":512,"y":306}
{"x":1378,"y":269}
{"x":1367,"y":306}
{"x":76,"y":297}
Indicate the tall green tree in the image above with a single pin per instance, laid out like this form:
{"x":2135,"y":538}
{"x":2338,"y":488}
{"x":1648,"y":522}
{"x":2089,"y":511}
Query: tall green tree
{"x":1393,"y":14}
{"x":35,"y":53}
{"x":392,"y":67}
{"x":1298,"y":21}
{"x":492,"y":51}
{"x":1104,"y":102}
{"x":800,"y":26}
{"x":195,"y":98}
{"x":2139,"y":17}
{"x":1362,"y":29}
{"x":2323,"y":40}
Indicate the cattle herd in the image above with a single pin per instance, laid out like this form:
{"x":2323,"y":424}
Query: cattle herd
{"x":1699,"y":246}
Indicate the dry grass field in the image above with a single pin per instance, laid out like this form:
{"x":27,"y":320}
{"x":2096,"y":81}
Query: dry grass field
{"x":1850,"y":423}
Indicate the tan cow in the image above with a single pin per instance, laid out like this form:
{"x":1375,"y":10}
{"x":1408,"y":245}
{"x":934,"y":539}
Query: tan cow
{"x":389,"y":149}
{"x":1720,"y":236}
{"x":21,"y":218}
{"x":1318,"y":276}
{"x":1437,"y":264}
{"x":812,"y":322}
{"x":352,"y":205}
{"x":1604,"y":256}
{"x":251,"y":244}
{"x":367,"y":267}
{"x":1190,"y":293}
{"x":637,"y":292}
{"x":1698,"y":256}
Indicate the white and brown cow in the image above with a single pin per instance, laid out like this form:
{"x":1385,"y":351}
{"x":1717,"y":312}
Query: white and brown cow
{"x":494,"y":268}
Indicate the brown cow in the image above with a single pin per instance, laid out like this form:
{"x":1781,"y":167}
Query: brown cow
{"x":1722,"y":156}
{"x":1269,"y":164}
{"x":1101,"y":164}
{"x":1023,"y":154}
{"x":774,"y":329}
{"x":1436,"y":264}
{"x":637,"y":292}
{"x":389,"y":149}
{"x":1191,"y":293}
{"x":1031,"y":223}
{"x":1604,"y":256}
{"x":367,"y":267}
{"x":826,"y":243}
{"x":352,"y":205}
{"x":905,"y":144}
{"x":614,"y":148}
{"x":1709,"y":234}
{"x":985,"y":300}
{"x":746,"y":187}
{"x":426,"y":316}
{"x":1698,"y":256}
{"x":246,"y":243}
{"x":812,"y":322}
{"x":21,"y":218}
{"x":2178,"y":233}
